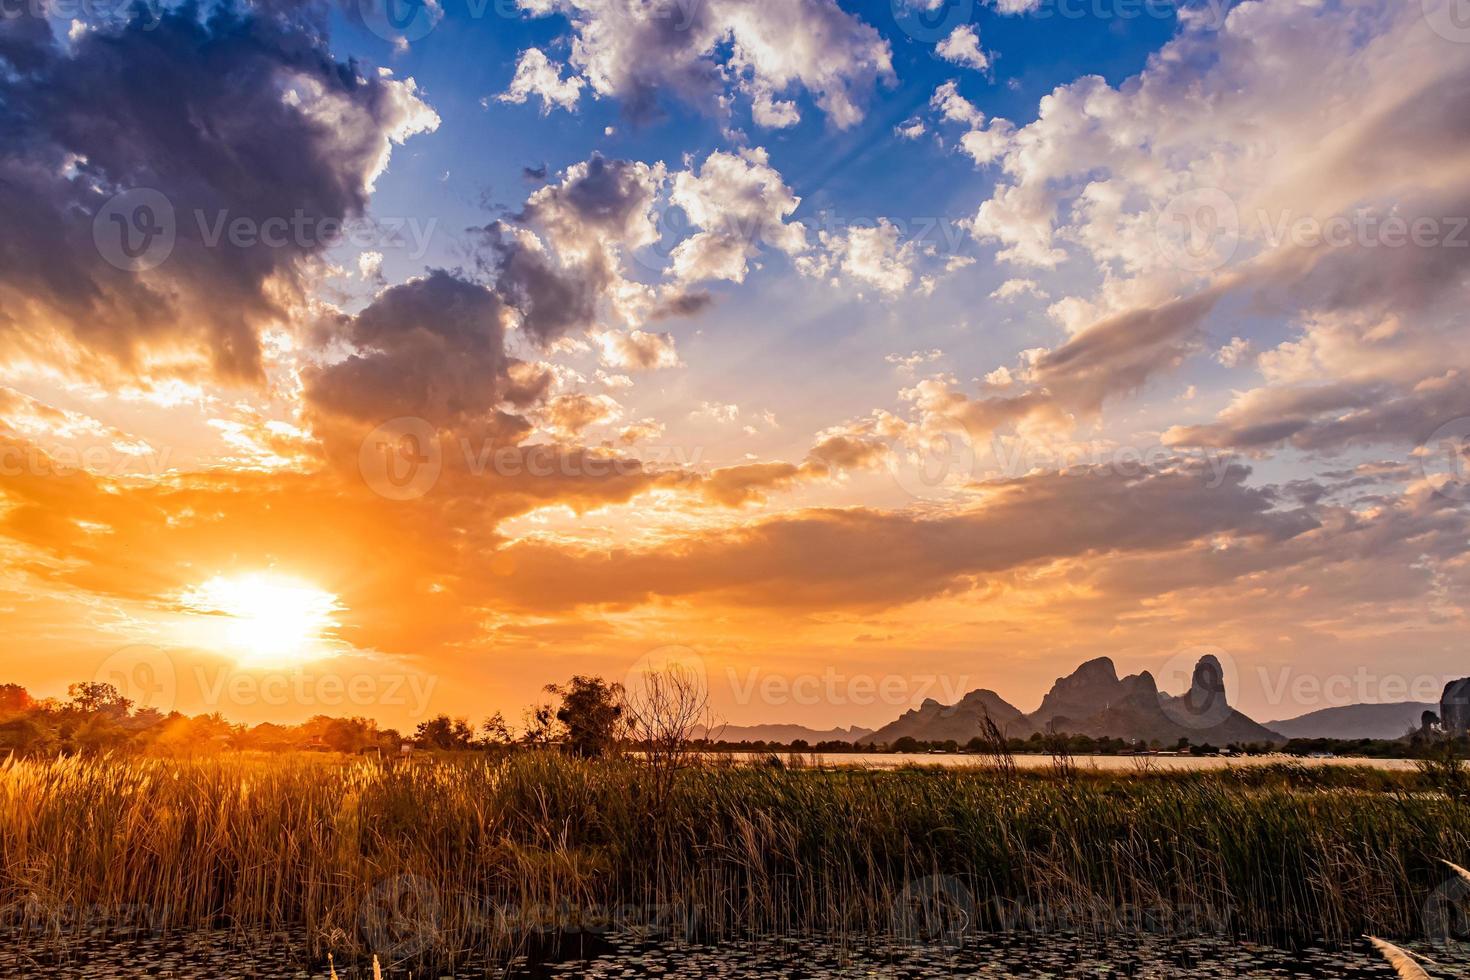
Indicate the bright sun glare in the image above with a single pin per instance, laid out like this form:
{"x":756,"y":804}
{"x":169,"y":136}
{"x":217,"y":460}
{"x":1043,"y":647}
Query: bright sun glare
{"x":272,"y":620}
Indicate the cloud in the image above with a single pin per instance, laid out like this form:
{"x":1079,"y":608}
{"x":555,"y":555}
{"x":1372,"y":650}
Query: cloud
{"x":551,"y":298}
{"x":861,"y":558}
{"x":734,"y":486}
{"x":1235,"y":353}
{"x":1016,"y":288}
{"x":954,"y":107}
{"x":539,"y":76}
{"x":962,"y":47}
{"x":641,"y":431}
{"x":1329,"y":417}
{"x":720,"y":412}
{"x":568,"y":415}
{"x":869,"y":256}
{"x":740,"y":204}
{"x":597,"y":203}
{"x":702,"y":53}
{"x":984,"y":142}
{"x":431,"y":348}
{"x":139,"y":110}
{"x":637,"y":350}
{"x":910,"y":129}
{"x":911,"y":361}
{"x":1264,"y":142}
{"x":559,"y":262}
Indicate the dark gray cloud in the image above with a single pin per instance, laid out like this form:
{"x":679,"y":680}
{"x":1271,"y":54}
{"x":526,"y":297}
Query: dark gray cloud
{"x":559,"y":258}
{"x":553,"y":299}
{"x":829,"y":559}
{"x":230,"y":116}
{"x":432,"y":348}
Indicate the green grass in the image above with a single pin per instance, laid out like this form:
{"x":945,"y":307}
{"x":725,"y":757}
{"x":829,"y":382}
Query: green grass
{"x":493,"y":849}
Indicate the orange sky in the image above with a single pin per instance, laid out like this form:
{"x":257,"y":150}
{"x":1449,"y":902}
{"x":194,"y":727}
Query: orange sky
{"x":649,"y":394}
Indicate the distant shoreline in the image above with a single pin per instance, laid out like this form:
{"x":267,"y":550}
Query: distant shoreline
{"x":1116,"y":763}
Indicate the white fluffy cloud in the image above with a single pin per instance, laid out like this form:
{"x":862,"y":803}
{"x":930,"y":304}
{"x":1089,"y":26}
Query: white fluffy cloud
{"x":739,"y":203}
{"x":869,"y":257}
{"x":984,"y":142}
{"x":637,"y":350}
{"x":641,"y":51}
{"x":1197,"y":185}
{"x":910,"y":129}
{"x":963,"y":48}
{"x":1016,"y":288}
{"x":537,"y":75}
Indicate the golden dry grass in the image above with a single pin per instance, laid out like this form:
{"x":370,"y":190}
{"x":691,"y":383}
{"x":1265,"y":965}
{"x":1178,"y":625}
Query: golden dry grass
{"x":432,"y":859}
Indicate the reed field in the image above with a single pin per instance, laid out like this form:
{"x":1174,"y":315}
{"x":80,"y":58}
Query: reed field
{"x":435,"y":859}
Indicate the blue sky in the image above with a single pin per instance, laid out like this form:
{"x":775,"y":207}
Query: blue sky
{"x":1092,"y":334}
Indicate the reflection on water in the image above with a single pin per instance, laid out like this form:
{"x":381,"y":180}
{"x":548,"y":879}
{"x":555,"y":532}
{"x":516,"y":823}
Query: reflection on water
{"x":886,"y":760}
{"x":1013,"y":954}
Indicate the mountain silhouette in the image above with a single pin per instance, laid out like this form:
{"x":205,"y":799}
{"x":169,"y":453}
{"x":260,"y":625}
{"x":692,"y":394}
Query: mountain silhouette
{"x":1387,"y":721}
{"x":1093,"y":700}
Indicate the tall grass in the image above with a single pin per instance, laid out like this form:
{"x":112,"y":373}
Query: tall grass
{"x":430,"y":861}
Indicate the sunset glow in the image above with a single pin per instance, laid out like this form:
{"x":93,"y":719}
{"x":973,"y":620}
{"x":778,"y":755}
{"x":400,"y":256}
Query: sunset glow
{"x":676,"y":489}
{"x":267,"y":620}
{"x":887,"y":348}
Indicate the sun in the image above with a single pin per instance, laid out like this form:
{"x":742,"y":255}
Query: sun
{"x":271,"y":620}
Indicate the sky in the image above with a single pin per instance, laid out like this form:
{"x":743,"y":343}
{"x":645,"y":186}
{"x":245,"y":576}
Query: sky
{"x":394,"y":360}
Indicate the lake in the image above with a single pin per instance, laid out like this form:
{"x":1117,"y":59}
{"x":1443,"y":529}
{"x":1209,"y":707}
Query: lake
{"x":1104,"y":762}
{"x":1011,"y":954}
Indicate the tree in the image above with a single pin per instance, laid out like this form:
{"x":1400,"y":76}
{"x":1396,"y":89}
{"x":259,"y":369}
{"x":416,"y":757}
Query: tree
{"x":389,"y":740}
{"x":26,"y":734}
{"x":96,"y":697}
{"x":443,"y":732}
{"x":99,"y":733}
{"x":180,"y":735}
{"x":541,"y":725}
{"x":15,"y":699}
{"x":495,"y":733}
{"x":346,"y":735}
{"x":591,"y":710}
{"x":665,"y":711}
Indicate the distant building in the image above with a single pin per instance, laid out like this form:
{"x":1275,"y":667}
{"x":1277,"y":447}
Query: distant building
{"x":1454,"y":707}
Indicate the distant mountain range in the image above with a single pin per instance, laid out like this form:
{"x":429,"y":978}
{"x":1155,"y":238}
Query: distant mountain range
{"x":786,"y":734}
{"x":1385,"y":721}
{"x":1093,"y":700}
